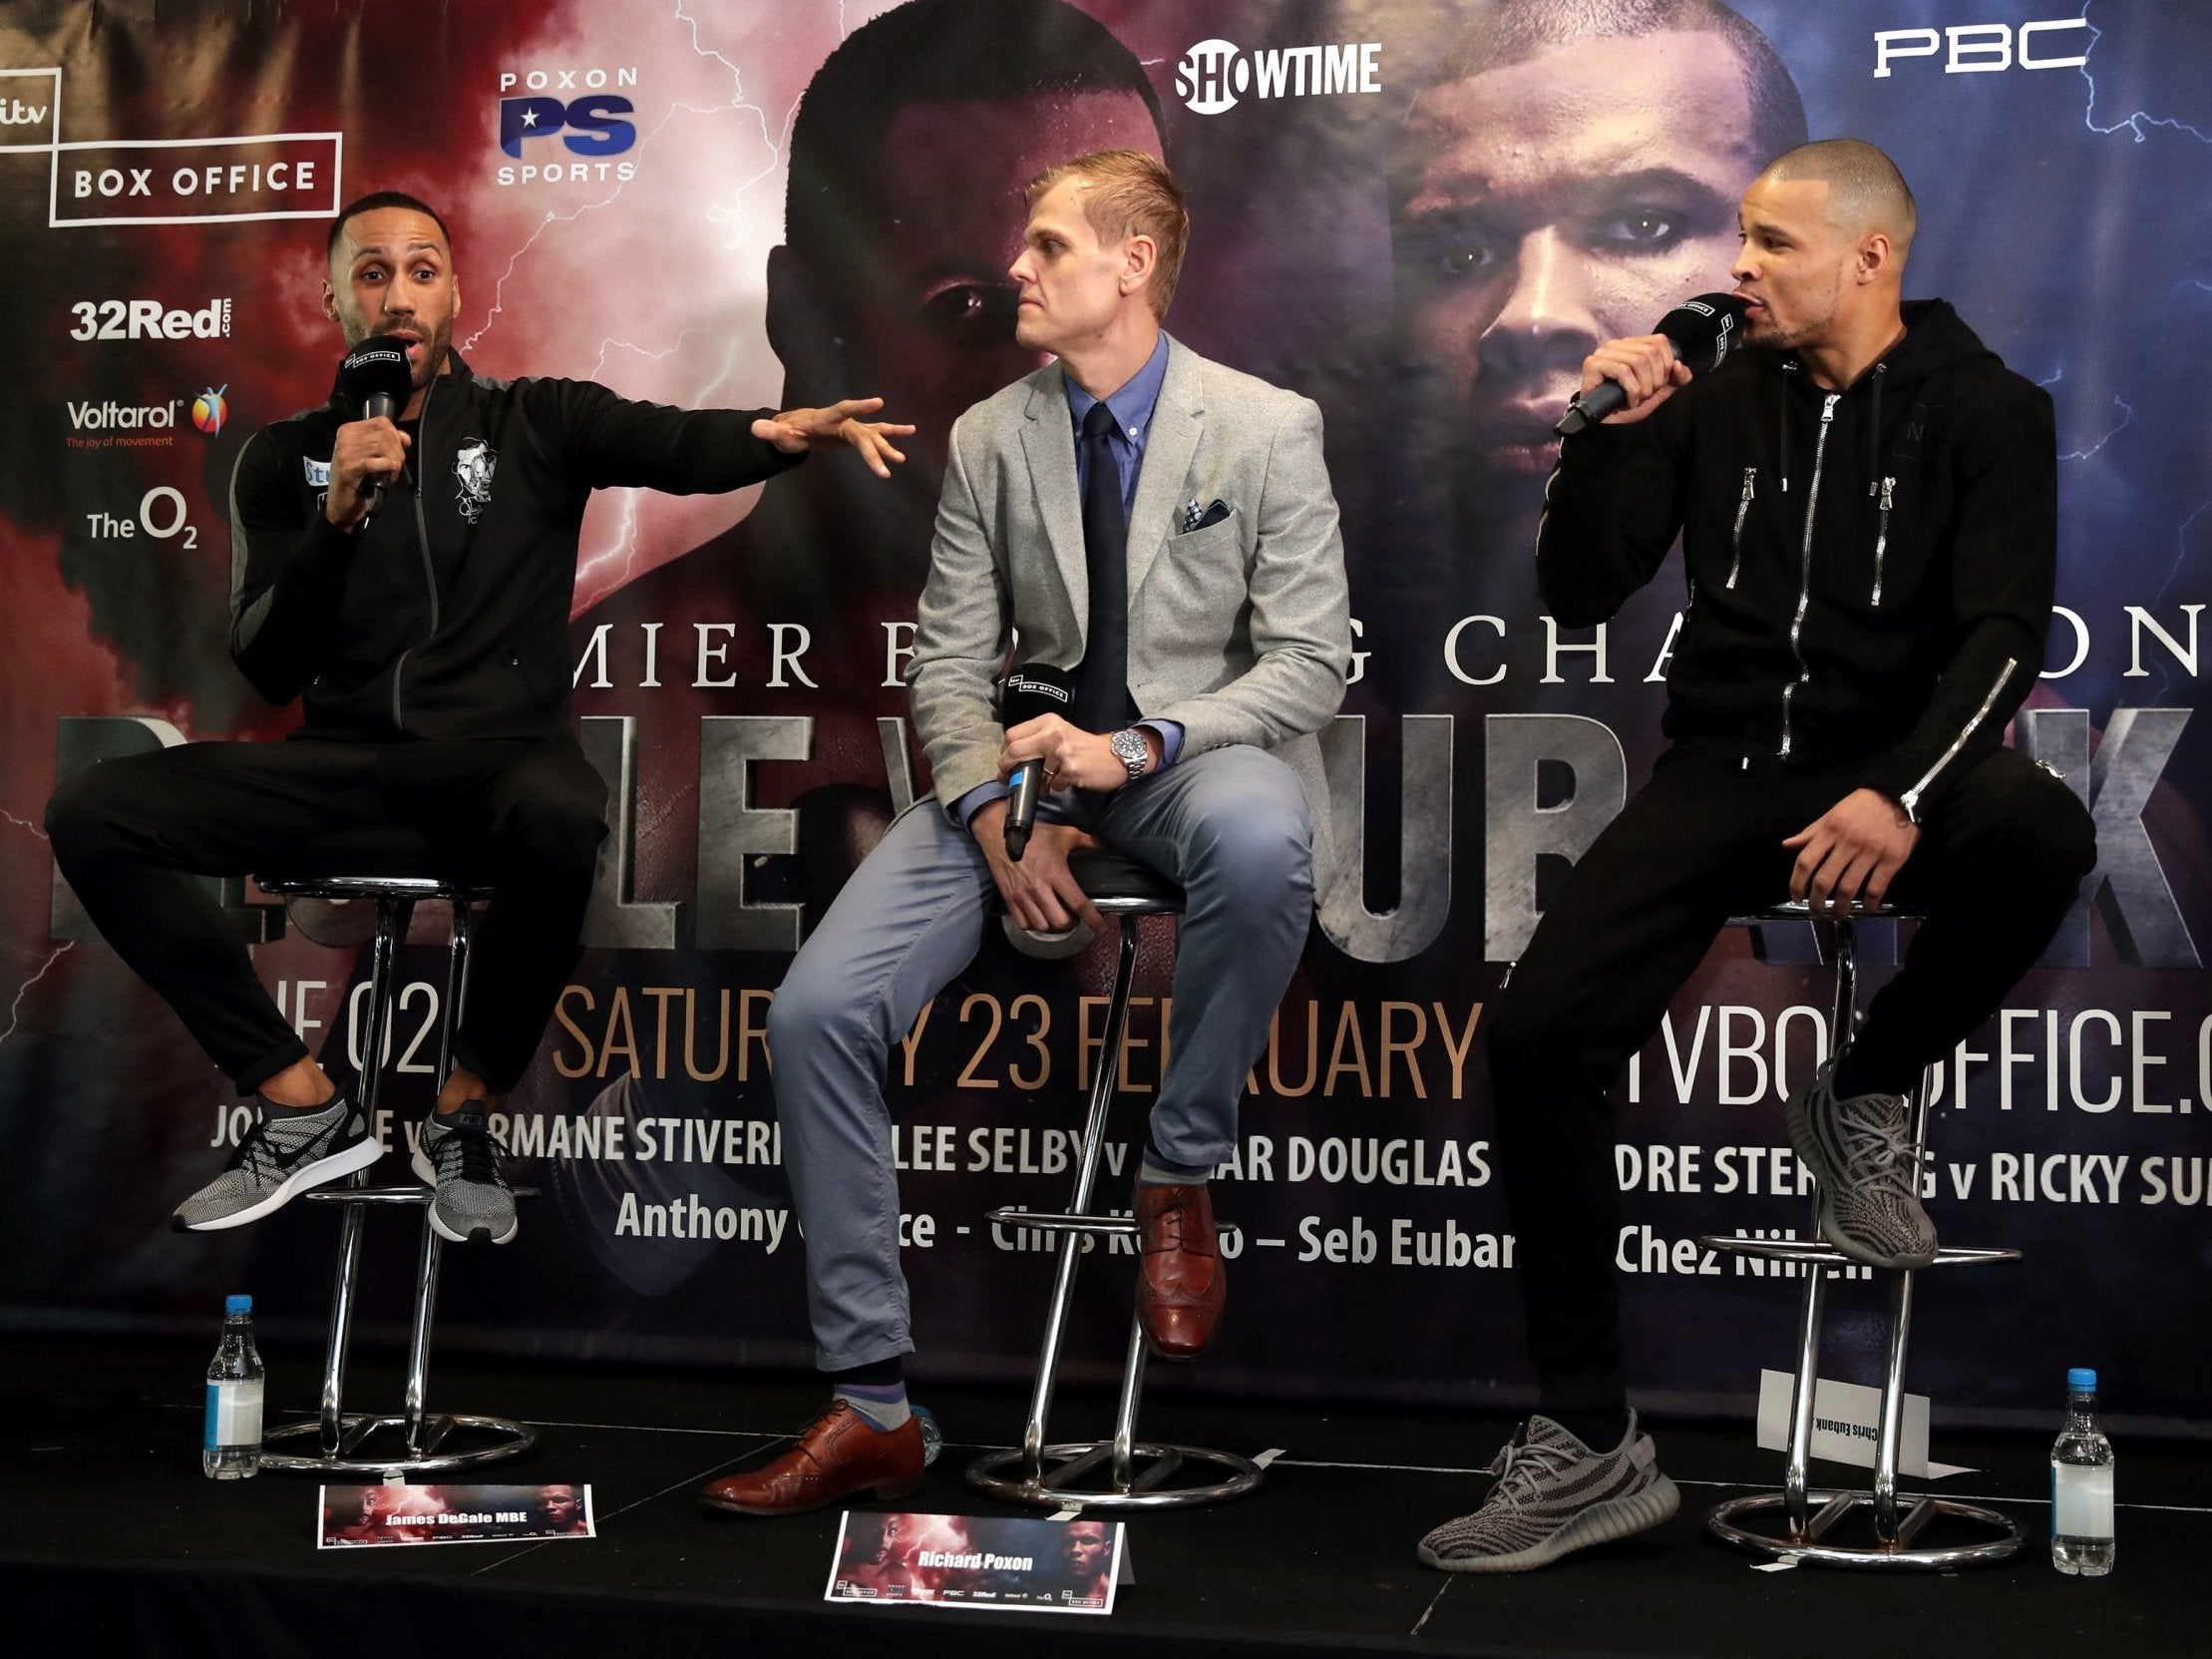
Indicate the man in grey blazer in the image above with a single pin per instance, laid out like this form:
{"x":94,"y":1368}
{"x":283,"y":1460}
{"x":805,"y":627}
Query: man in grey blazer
{"x":1189,"y":746}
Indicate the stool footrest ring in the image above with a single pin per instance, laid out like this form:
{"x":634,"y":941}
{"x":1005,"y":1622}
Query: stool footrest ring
{"x":1724,"y":1521}
{"x":1152,"y":1467}
{"x":510,"y":1439}
{"x":1810,"y":1251}
{"x":1105,"y":1226}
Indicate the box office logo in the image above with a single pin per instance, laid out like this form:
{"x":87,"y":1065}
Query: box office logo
{"x":1214,"y":75}
{"x":116,"y":182}
{"x":587,"y":109}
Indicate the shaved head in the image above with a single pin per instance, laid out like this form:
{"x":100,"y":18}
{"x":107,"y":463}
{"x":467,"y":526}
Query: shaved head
{"x":1865,"y":192}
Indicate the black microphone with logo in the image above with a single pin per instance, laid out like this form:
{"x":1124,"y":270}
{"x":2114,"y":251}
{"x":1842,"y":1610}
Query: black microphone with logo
{"x":1702,"y":332}
{"x":1032,"y":690}
{"x":374,"y":378}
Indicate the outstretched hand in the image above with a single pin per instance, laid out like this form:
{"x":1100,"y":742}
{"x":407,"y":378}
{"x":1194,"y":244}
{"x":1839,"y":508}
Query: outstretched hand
{"x":840,"y":424}
{"x":1852,"y":851}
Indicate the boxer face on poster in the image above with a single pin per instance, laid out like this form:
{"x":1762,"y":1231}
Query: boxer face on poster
{"x":1545,"y":205}
{"x":1083,"y":1552}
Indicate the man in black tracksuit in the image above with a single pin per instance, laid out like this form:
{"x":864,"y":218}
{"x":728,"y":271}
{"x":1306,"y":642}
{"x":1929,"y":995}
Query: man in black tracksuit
{"x":1867,"y":502}
{"x":426,"y":636}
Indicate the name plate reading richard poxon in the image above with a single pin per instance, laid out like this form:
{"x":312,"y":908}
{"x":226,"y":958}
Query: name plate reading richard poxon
{"x":1017,"y":1563}
{"x":393,"y":1514}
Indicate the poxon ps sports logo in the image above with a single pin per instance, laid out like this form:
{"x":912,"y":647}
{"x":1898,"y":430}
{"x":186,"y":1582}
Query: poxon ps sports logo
{"x":1215,"y":74}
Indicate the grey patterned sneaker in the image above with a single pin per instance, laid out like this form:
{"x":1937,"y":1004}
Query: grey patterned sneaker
{"x":284,"y":1155}
{"x":1866,"y":1181}
{"x":459,"y":1156}
{"x":1553,"y":1496}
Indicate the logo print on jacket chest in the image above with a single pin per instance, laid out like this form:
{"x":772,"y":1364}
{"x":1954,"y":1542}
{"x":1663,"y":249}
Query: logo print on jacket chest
{"x":472,"y":472}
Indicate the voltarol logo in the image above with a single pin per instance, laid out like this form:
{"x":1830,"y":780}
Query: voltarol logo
{"x":1215,"y":74}
{"x":147,"y":319}
{"x":591,"y":126}
{"x":210,"y":410}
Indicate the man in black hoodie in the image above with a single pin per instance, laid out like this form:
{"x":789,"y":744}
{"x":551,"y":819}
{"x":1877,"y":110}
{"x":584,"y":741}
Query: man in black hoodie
{"x":1867,"y":503}
{"x":427,"y":639}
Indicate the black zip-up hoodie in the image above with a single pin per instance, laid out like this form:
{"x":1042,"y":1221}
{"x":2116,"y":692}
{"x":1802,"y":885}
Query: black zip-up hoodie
{"x":446,"y":615}
{"x":1871,"y":571}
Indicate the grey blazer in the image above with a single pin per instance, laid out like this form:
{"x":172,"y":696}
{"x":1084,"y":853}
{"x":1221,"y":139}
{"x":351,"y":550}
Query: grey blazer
{"x":1240,"y":631}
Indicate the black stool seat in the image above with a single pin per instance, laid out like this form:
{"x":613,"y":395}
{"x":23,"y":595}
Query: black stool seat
{"x":371,"y":855}
{"x":1113,"y":880}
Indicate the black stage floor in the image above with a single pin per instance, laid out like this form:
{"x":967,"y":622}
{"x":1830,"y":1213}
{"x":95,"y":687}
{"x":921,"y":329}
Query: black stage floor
{"x":112,"y":1540}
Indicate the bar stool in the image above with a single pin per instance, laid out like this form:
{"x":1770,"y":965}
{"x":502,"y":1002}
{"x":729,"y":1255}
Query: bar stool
{"x":1808,"y":1530}
{"x":1135,"y":1475}
{"x":394,"y":870}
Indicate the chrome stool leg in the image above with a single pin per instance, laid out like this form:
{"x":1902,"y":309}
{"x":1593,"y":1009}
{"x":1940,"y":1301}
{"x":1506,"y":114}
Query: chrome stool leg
{"x":1807,"y":1531}
{"x":1129,"y":1486}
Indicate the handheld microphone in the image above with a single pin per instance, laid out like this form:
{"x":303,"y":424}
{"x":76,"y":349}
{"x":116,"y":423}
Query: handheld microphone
{"x":374,"y":378}
{"x":1032,"y":690}
{"x":1702,"y":332}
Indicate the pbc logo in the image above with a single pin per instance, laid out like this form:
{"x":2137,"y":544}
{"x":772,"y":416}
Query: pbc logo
{"x":594,"y":125}
{"x":147,"y":319}
{"x":1214,"y":74}
{"x":1980,"y":48}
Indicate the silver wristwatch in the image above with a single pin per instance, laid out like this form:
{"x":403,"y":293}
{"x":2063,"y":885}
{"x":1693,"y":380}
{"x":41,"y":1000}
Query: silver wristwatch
{"x":1131,"y":750}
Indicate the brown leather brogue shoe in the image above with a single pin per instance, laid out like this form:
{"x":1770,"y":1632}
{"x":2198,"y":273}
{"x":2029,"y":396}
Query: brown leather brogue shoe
{"x":841,"y":1454}
{"x":1180,"y":1281}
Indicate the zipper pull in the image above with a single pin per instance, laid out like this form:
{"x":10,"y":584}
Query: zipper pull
{"x":1828,"y":409}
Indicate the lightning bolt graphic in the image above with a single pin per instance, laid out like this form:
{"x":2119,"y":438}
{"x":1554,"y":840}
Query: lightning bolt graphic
{"x":2127,"y":419}
{"x":15,"y":1008}
{"x":2134,"y":122}
{"x":617,"y":550}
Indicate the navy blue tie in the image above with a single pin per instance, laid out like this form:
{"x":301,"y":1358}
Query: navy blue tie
{"x":1102,"y":697}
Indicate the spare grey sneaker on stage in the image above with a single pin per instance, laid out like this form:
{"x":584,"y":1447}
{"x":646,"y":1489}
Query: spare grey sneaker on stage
{"x":1554,"y":1494}
{"x":1866,"y":1181}
{"x":459,"y":1156}
{"x":286,"y":1152}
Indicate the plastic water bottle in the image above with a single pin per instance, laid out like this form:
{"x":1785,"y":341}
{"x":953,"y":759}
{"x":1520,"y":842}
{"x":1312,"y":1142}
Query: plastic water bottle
{"x":2081,"y":1484}
{"x":230,"y":1447}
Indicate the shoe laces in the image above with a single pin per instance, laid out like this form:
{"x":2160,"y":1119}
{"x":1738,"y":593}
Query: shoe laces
{"x":475,"y":1152}
{"x":1875,"y":1145}
{"x":1522,"y":1466}
{"x":253,"y":1153}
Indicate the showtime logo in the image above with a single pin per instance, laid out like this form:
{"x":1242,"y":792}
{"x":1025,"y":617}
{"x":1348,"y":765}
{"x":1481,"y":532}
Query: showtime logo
{"x":147,"y":319}
{"x":1215,"y":74}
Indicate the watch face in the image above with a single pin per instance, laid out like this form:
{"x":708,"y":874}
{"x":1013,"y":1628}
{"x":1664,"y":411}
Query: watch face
{"x":1130,"y":748}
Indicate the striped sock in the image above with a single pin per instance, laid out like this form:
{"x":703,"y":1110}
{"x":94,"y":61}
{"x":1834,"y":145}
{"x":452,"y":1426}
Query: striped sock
{"x":884,"y":1405}
{"x":1157,"y":1172}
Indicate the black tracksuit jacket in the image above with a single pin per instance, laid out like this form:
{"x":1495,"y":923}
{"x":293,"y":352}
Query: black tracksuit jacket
{"x":446,"y":616}
{"x":1871,"y":571}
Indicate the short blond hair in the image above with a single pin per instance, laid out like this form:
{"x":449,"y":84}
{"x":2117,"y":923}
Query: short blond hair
{"x":1128,"y":193}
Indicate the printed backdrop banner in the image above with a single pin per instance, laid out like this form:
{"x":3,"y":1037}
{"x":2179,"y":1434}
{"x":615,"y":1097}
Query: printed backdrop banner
{"x":1418,"y":214}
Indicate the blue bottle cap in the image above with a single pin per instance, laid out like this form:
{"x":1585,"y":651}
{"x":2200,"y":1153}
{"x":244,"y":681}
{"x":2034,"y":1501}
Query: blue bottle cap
{"x":237,"y":1304}
{"x":2082,"y":1380}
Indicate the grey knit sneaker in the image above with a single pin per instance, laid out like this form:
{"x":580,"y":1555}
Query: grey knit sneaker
{"x":1866,"y":1182}
{"x":1553,"y":1496}
{"x":459,"y":1156}
{"x":284,"y":1155}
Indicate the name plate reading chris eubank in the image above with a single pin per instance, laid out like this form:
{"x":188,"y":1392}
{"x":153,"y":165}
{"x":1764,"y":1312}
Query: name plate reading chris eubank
{"x":1019,"y":1562}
